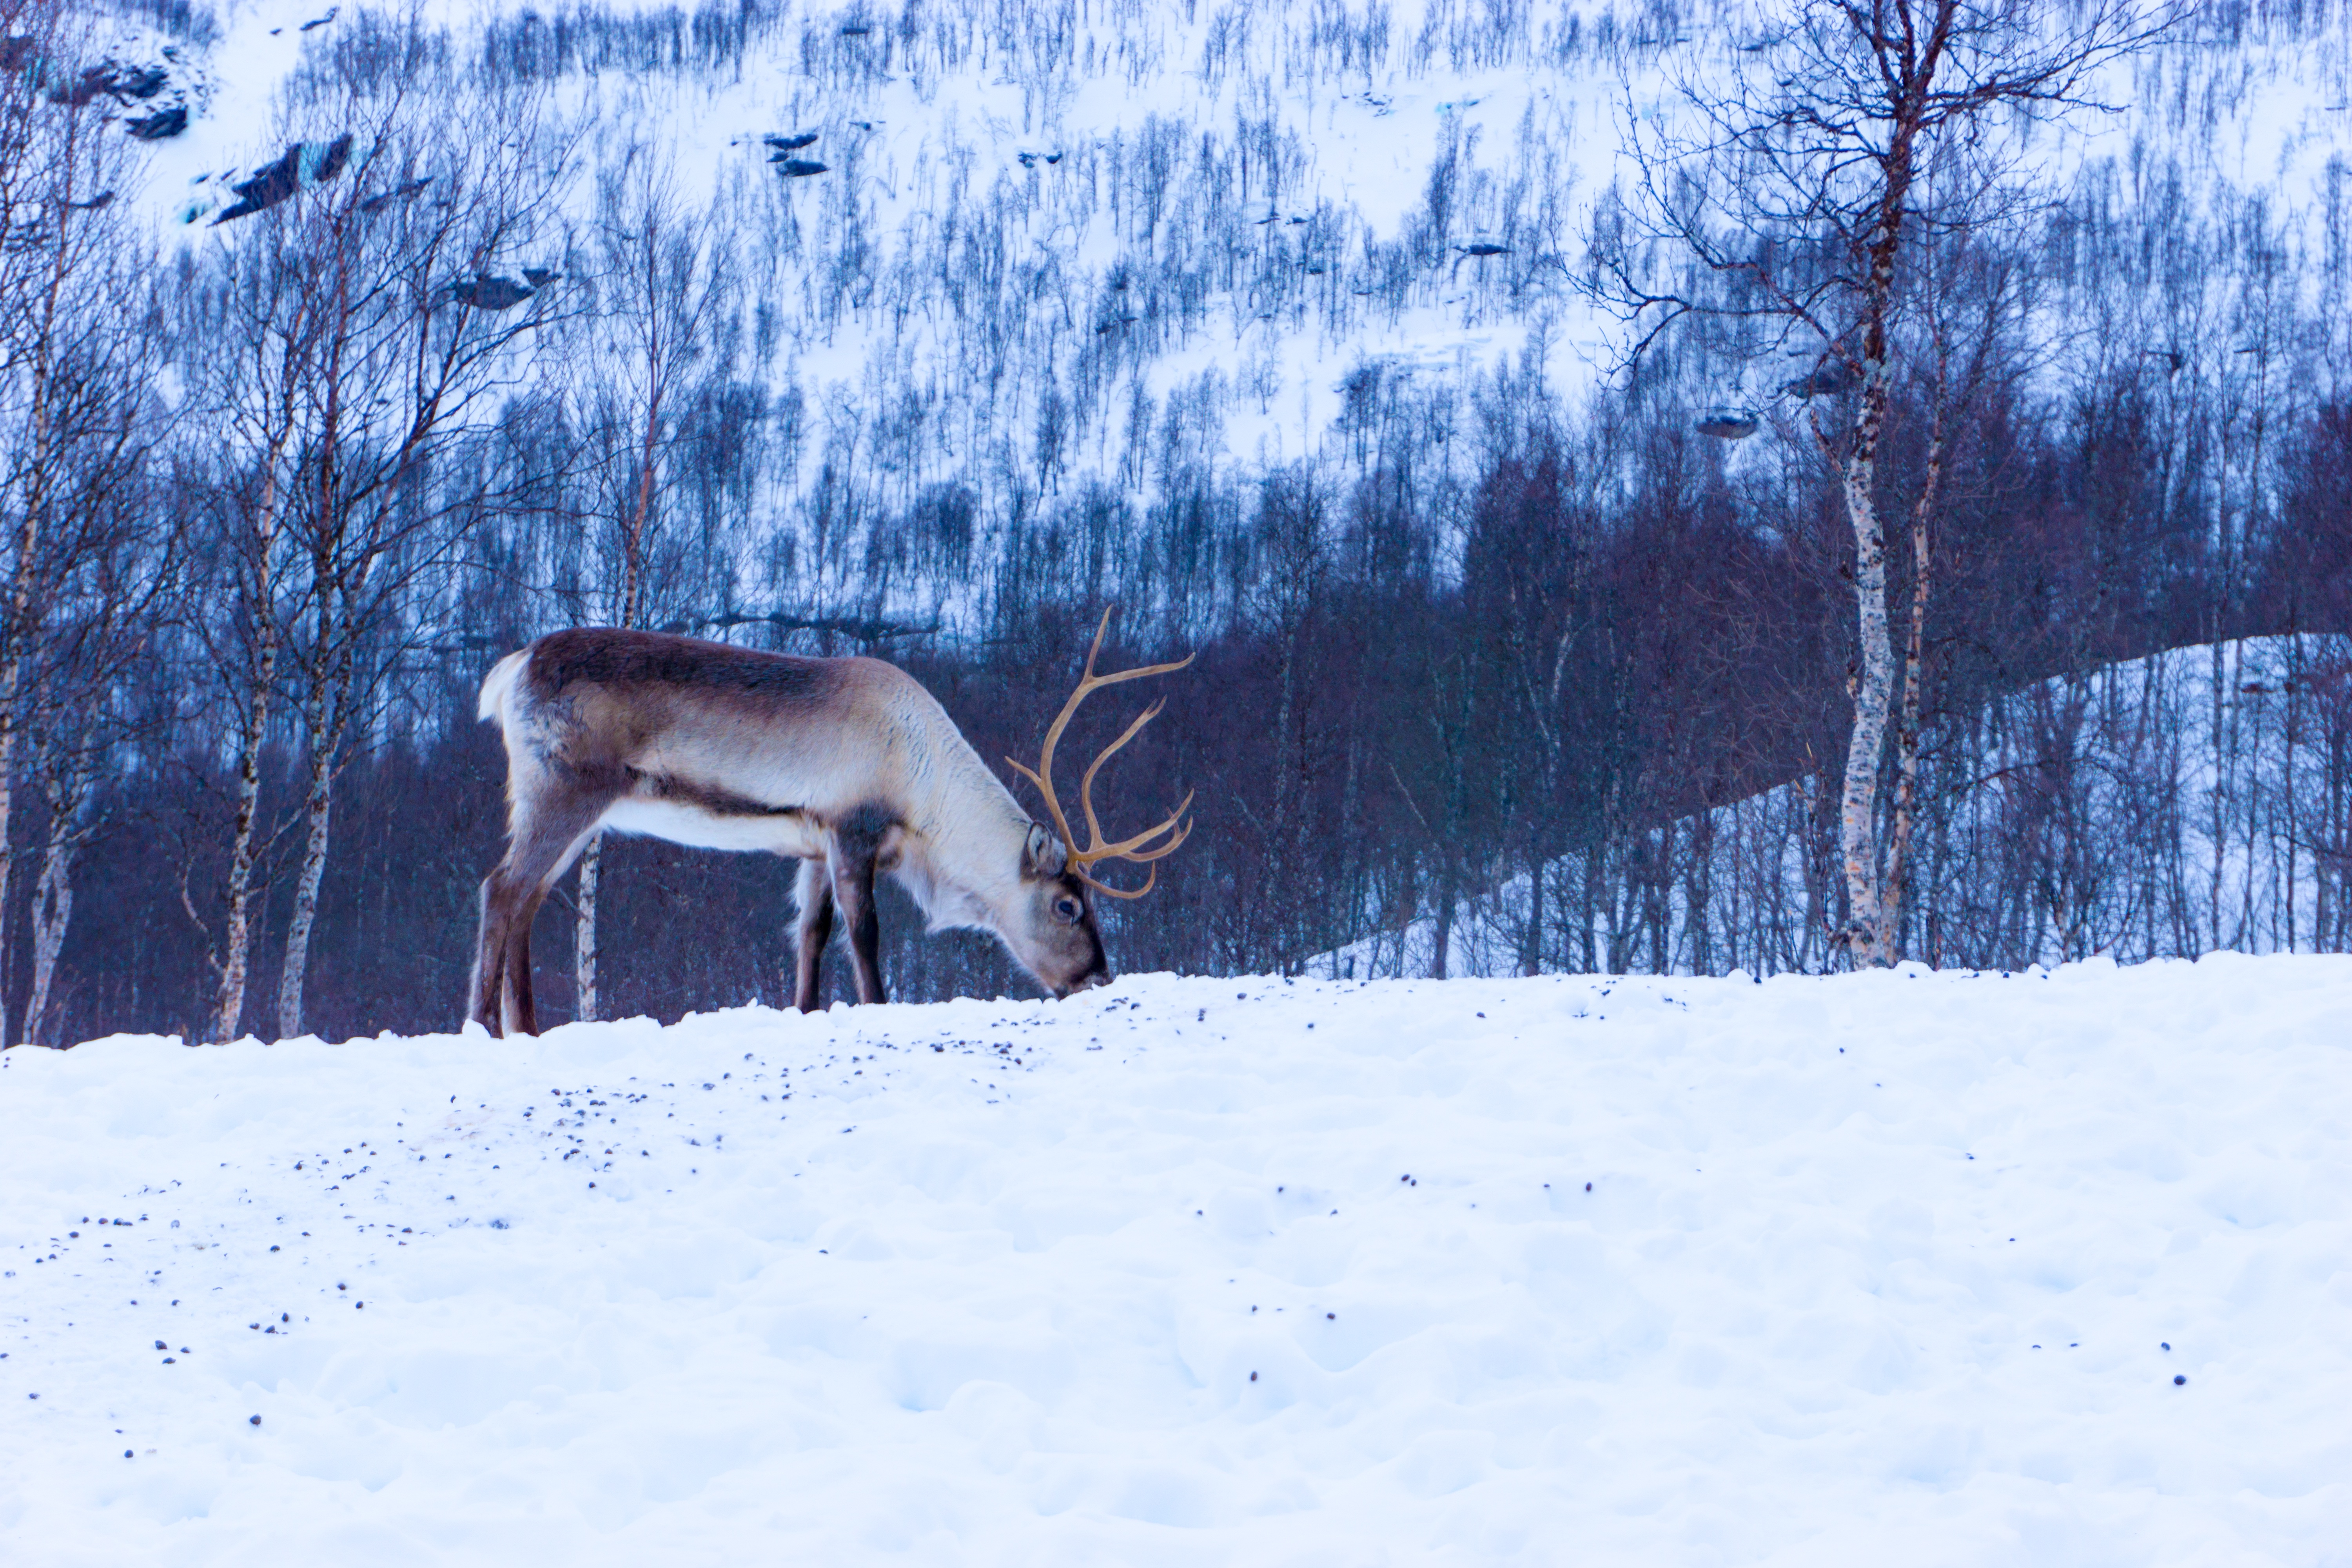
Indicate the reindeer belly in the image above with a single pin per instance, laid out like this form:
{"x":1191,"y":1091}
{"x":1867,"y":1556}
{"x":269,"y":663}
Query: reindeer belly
{"x":679,"y":817}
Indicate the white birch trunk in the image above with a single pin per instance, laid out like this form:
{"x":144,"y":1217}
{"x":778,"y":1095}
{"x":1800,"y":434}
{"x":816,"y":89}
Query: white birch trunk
{"x":237,"y":940}
{"x":53,"y":899}
{"x":328,"y":698}
{"x":1906,"y":730}
{"x":320,"y":810}
{"x":584,"y":932}
{"x":1873,"y":691}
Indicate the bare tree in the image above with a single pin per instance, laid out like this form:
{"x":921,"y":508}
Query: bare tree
{"x":1791,"y":196}
{"x":341,"y":341}
{"x":662,"y":274}
{"x":418,"y":345}
{"x":77,"y":347}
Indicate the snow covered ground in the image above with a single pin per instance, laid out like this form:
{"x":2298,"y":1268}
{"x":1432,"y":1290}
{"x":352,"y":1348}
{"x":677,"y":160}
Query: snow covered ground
{"x":1903,"y":1268}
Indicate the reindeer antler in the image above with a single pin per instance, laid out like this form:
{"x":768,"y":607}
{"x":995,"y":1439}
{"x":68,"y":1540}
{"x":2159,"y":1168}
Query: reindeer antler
{"x":1131,"y":849}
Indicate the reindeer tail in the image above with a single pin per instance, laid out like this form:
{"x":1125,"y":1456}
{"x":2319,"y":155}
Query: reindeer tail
{"x":498,"y":682}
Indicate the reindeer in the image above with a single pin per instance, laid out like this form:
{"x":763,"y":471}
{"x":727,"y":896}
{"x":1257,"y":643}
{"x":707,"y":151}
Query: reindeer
{"x":847,"y":764}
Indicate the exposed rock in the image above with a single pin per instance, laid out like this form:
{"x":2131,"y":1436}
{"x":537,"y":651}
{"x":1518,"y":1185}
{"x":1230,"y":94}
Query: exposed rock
{"x":322,"y":21}
{"x":329,"y":162}
{"x":488,"y":293}
{"x":1485,"y":247}
{"x":792,"y":143}
{"x":797,"y":168}
{"x":1727,"y":424}
{"x":304,"y":163}
{"x":267,"y":187}
{"x":539,"y":277}
{"x":161,"y":125}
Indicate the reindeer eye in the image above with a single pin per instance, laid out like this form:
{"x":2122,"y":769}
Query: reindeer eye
{"x":1068,"y":908}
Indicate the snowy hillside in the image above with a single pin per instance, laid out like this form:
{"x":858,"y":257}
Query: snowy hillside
{"x":1900,"y":1266}
{"x":1138,"y":244}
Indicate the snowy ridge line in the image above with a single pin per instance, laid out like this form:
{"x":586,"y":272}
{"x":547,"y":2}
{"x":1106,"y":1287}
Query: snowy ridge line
{"x":1951,"y":1268}
{"x":2165,"y":806}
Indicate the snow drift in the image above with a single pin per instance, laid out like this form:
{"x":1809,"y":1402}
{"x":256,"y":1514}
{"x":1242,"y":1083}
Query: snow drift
{"x":1935,"y":1267}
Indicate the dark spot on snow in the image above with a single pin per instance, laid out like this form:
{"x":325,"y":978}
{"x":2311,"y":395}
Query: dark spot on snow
{"x":253,"y":1420}
{"x":1253,"y":1376}
{"x":2177,"y":1380}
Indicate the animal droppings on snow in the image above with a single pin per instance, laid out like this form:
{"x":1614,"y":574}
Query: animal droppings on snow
{"x":1791,"y":1312}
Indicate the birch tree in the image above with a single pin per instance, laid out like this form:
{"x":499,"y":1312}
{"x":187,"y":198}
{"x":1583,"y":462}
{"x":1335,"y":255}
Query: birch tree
{"x":416,"y":346}
{"x":344,"y":340}
{"x":662,"y":278}
{"x":1788,"y":193}
{"x":75,"y":348}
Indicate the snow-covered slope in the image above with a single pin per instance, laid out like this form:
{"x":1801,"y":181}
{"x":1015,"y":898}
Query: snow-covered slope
{"x":1928,"y":1269}
{"x":1048,"y":232}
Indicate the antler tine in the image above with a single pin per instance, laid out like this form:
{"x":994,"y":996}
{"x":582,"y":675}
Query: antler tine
{"x":1061,"y":824}
{"x":1107,"y":890}
{"x":1130,"y":850}
{"x":1042,"y":776}
{"x":1086,"y":789}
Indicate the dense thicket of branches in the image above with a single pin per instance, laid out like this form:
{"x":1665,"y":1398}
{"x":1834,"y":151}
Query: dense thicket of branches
{"x":1481,"y":651}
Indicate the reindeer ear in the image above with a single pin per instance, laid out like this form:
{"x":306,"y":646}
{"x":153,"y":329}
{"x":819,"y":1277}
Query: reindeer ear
{"x":1045,"y":855}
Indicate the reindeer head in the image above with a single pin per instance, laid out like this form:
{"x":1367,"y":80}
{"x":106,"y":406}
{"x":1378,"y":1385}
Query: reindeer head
{"x":1059,"y":941}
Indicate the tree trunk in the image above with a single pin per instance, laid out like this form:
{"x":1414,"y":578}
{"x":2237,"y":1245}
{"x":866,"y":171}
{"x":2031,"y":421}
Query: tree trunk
{"x":1906,"y":729}
{"x":326,"y":701}
{"x":1874,"y":690}
{"x":53,"y":905}
{"x":584,"y":932}
{"x":237,"y":939}
{"x":1441,"y":938}
{"x":11,"y":680}
{"x":319,"y":808}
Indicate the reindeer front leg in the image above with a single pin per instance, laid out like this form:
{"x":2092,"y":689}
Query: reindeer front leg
{"x":812,"y":891}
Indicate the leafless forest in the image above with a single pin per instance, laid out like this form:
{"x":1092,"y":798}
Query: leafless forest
{"x":1482,"y":646}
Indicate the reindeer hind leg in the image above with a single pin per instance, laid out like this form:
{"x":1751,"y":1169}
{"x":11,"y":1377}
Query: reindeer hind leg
{"x":484,"y":993}
{"x":544,"y":844}
{"x":812,"y":891}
